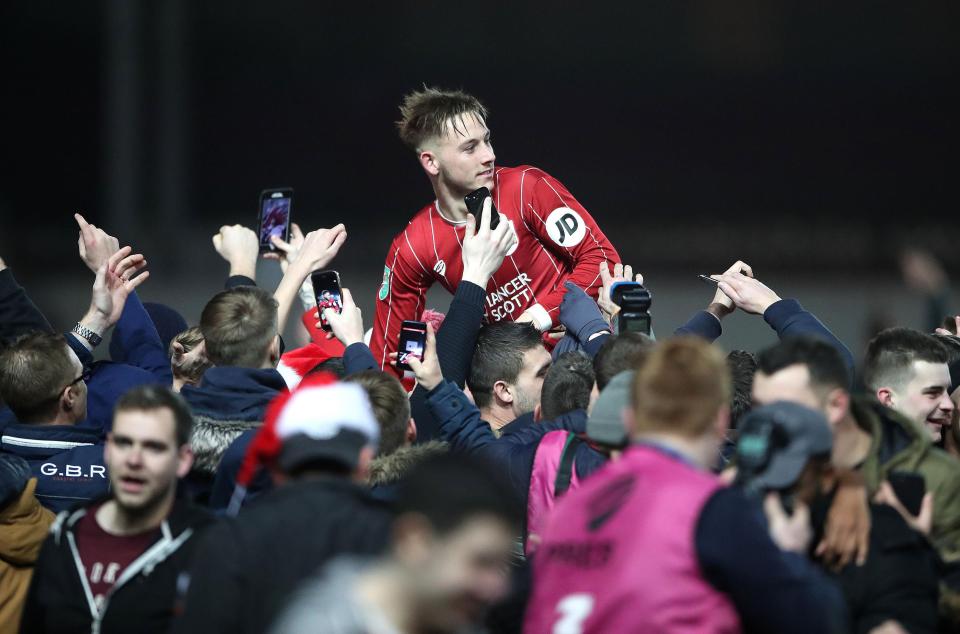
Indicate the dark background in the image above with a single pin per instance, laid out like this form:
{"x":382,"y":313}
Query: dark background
{"x":812,"y":142}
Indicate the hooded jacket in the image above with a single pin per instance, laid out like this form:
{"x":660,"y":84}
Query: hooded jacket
{"x":67,"y":461}
{"x":899,"y":444}
{"x":386,"y":472}
{"x":228,"y":402}
{"x":144,"y":596}
{"x":23,"y":527}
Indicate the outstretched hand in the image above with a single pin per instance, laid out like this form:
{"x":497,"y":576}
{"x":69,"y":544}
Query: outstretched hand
{"x":621,"y":273}
{"x":94,"y":244}
{"x":316,"y":251}
{"x":119,"y":276}
{"x":722,"y":305}
{"x":749,"y":295}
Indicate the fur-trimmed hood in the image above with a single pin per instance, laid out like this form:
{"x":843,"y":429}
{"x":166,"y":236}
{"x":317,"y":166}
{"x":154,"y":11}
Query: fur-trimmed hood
{"x":391,"y":469}
{"x":210,"y":439}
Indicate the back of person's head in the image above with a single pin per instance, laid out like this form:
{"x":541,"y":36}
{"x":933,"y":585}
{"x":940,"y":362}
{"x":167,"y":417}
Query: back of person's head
{"x":892,"y":353}
{"x":742,"y":366}
{"x":428,"y":113}
{"x":448,"y":490}
{"x":626,"y":351}
{"x":824,"y":363}
{"x":390,"y":404}
{"x":35,"y":370}
{"x":239,"y":327}
{"x":188,"y":358}
{"x":681,"y":389}
{"x":333,"y":365}
{"x":499,"y":356}
{"x":567,"y":385}
{"x":149,"y":398}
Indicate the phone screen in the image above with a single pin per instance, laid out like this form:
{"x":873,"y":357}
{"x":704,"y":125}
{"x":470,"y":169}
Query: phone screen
{"x":413,"y":341}
{"x":274,"y":216}
{"x":326,"y":289}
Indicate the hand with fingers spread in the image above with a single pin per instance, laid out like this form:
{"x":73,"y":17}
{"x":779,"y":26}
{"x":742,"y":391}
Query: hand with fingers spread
{"x":95,"y":245}
{"x":427,"y":371}
{"x":240,"y":247}
{"x":922,"y":523}
{"x":722,"y":305}
{"x":483,"y":251}
{"x":749,"y":295}
{"x":791,"y":533}
{"x":621,"y":273}
{"x":116,"y":279}
{"x":846,"y":536}
{"x":347,"y":325}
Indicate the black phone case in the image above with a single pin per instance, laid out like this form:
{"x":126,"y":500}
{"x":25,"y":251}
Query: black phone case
{"x":474,"y":201}
{"x":269,"y":248}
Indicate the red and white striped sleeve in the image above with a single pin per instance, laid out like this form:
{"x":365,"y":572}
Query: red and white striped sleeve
{"x":402,"y":296}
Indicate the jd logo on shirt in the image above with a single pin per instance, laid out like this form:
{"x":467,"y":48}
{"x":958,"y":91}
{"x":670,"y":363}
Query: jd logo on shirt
{"x":566,"y":227}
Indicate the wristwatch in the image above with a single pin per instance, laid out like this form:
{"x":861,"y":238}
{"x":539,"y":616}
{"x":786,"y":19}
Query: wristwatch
{"x":92,"y":338}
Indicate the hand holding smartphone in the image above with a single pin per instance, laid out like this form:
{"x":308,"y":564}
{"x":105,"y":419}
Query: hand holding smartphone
{"x":275,"y":206}
{"x":326,"y":290}
{"x":413,"y":342}
{"x":474,"y":201}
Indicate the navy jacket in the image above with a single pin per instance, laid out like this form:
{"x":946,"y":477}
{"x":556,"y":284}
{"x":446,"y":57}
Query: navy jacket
{"x":66,"y":460}
{"x":462,"y":427}
{"x":228,"y":402}
{"x":356,"y":358}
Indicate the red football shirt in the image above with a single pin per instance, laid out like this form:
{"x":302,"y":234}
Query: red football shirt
{"x":558,"y":241}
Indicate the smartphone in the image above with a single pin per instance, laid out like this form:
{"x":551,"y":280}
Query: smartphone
{"x":709,"y":280}
{"x":474,"y":202}
{"x":275,"y":205}
{"x":326,"y":290}
{"x":910,"y":489}
{"x":413,"y":341}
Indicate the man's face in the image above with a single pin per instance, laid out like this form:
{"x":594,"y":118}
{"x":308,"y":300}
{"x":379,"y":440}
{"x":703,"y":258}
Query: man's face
{"x":464,"y":155}
{"x":143,"y":458}
{"x":463,"y":573}
{"x":925,"y":399}
{"x":536,"y":362}
{"x":791,"y":384}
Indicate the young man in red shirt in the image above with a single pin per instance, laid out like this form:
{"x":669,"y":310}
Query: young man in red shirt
{"x":557,"y":239}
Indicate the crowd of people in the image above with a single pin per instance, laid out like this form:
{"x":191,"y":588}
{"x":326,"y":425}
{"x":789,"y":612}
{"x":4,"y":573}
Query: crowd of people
{"x":537,"y":470}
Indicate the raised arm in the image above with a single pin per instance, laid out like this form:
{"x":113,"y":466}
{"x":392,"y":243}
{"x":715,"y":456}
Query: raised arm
{"x":786,"y":316}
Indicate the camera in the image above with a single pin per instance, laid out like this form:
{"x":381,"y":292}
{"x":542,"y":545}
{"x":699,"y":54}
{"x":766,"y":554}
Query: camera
{"x":634,"y":301}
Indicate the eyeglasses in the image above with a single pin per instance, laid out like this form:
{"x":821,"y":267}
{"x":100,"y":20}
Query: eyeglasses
{"x":84,"y":376}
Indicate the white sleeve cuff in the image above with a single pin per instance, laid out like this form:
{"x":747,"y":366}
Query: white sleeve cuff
{"x":541,"y":318}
